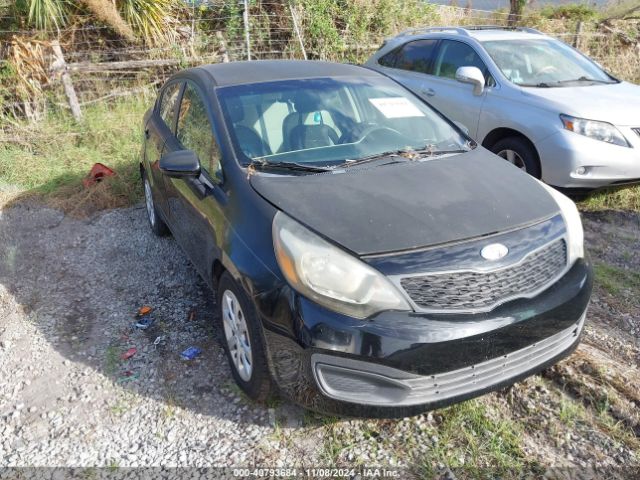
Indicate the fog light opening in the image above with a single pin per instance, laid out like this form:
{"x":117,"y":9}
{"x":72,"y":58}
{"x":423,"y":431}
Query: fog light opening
{"x":581,"y":171}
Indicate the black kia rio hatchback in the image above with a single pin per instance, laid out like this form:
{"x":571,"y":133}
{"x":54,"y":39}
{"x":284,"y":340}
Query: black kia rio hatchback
{"x":369,"y":258}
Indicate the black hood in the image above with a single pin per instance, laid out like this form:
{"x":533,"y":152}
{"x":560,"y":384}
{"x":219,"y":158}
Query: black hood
{"x":377,"y":209}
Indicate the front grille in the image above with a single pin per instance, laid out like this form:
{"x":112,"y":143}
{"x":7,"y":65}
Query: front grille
{"x":637,"y":130}
{"x":467,"y":290}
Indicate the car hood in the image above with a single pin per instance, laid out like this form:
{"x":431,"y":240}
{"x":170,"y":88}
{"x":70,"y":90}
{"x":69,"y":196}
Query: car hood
{"x":618,"y":104}
{"x":402,"y":206}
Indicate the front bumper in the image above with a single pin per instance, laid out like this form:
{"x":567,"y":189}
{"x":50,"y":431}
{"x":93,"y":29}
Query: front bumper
{"x":605,"y":164}
{"x":399,"y":364}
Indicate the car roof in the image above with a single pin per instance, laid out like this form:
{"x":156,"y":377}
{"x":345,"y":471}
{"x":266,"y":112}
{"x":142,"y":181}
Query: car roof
{"x":258,"y":71}
{"x":481,"y":34}
{"x":484,"y":35}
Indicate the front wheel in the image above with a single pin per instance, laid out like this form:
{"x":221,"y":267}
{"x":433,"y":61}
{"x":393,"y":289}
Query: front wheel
{"x":155,"y":221}
{"x":518,"y":152}
{"x":243,"y":340}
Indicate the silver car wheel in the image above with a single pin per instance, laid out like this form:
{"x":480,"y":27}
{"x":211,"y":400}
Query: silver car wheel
{"x":237,"y":334}
{"x":148,"y":200}
{"x":513,"y":157}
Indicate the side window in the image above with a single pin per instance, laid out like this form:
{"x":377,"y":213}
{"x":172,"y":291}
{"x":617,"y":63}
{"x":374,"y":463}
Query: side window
{"x":389,"y":59}
{"x":195,"y":132}
{"x":169,"y":103}
{"x":417,"y":56}
{"x":453,"y":55}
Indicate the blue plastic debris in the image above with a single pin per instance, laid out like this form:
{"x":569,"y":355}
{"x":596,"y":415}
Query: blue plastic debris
{"x":190,"y":353}
{"x":145,"y":322}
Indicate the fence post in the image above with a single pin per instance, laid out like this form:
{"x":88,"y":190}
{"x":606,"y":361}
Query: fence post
{"x":297,"y":29}
{"x":61,"y":65}
{"x":245,"y":16}
{"x":578,"y":34}
{"x":223,"y":47}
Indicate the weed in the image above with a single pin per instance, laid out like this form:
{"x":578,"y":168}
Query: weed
{"x":627,"y":198}
{"x":54,"y":156}
{"x":614,"y":280}
{"x":472,"y":440}
{"x":112,"y":360}
{"x":570,"y":411}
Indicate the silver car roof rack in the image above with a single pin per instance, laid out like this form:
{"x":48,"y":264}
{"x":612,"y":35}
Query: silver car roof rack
{"x":465,"y":30}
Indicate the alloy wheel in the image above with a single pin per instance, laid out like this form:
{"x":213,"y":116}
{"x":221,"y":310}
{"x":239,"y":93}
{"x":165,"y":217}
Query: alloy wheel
{"x":513,"y":157}
{"x":148,"y":200}
{"x":237,"y":335}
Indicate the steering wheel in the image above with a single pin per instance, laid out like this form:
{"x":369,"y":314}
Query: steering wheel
{"x":368,"y":130}
{"x":545,"y":70}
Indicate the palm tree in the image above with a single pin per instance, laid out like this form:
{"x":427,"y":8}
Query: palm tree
{"x":131,"y":19}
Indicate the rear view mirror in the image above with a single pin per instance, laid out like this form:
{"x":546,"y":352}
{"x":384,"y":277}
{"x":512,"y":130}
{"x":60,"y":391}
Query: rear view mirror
{"x":471,"y":75}
{"x":182,"y":163}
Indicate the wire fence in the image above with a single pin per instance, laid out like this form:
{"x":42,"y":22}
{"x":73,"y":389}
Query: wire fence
{"x":102,"y":67}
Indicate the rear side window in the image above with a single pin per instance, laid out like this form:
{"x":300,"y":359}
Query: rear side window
{"x":417,"y":56}
{"x":195,"y":132}
{"x":389,"y":59}
{"x":169,"y":103}
{"x":453,"y":55}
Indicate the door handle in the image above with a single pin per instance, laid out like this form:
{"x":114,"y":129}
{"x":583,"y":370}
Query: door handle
{"x":429,"y":92}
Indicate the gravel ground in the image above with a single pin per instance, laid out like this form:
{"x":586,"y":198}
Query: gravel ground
{"x":69,"y":290}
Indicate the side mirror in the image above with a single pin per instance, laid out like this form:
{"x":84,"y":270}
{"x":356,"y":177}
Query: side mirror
{"x":471,"y":75}
{"x":179,"y":164}
{"x":462,"y":127}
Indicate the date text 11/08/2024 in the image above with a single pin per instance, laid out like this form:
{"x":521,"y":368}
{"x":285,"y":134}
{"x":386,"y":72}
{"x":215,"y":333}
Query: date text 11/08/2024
{"x":316,"y":473}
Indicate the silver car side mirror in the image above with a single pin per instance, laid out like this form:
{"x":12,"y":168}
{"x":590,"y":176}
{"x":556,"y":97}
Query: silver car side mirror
{"x":471,"y":75}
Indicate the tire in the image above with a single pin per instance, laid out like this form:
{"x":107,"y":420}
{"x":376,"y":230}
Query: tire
{"x":156,"y":223}
{"x":256,"y":380}
{"x":519,"y":152}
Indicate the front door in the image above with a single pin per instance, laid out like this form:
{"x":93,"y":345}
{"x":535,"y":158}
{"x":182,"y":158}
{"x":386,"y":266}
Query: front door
{"x":196,"y":204}
{"x":159,"y":128}
{"x":453,"y":98}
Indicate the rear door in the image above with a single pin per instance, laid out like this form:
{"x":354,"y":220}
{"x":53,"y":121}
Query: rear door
{"x":410,"y":63}
{"x":197,"y":204}
{"x":159,"y":128}
{"x":453,"y":98}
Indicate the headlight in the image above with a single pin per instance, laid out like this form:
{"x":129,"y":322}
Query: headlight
{"x":571,"y":216}
{"x":603,"y":131}
{"x":330,"y":276}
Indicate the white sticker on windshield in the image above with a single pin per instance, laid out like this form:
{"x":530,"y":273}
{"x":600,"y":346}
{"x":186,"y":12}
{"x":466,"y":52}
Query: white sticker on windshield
{"x":396,"y":107}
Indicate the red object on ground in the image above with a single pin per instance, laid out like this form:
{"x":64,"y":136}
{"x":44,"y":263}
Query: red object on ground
{"x":129,"y":353}
{"x":97,"y":173}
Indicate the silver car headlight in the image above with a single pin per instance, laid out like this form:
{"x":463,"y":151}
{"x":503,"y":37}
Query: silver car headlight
{"x":328,"y":275}
{"x":571,"y":216}
{"x":603,"y":131}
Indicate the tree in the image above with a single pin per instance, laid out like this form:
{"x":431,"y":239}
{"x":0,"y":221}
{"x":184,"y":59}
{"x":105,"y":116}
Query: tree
{"x":515,"y":11}
{"x":151,"y":20}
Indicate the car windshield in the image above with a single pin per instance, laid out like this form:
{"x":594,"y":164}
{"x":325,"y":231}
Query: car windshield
{"x":329,"y":121}
{"x":544,"y":63}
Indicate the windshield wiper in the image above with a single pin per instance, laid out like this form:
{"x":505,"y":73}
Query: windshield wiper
{"x":407,"y":154}
{"x":370,"y":158}
{"x":291,"y":166}
{"x":536,"y":85}
{"x":584,"y":79}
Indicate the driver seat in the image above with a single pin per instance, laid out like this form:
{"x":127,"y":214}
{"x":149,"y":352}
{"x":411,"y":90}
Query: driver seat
{"x":299,"y":136}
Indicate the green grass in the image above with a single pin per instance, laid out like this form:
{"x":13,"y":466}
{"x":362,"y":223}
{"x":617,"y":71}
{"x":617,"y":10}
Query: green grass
{"x":475,"y":444}
{"x":627,"y":198}
{"x":51,"y":158}
{"x":112,"y":360}
{"x":614,"y":280}
{"x":570,"y":411}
